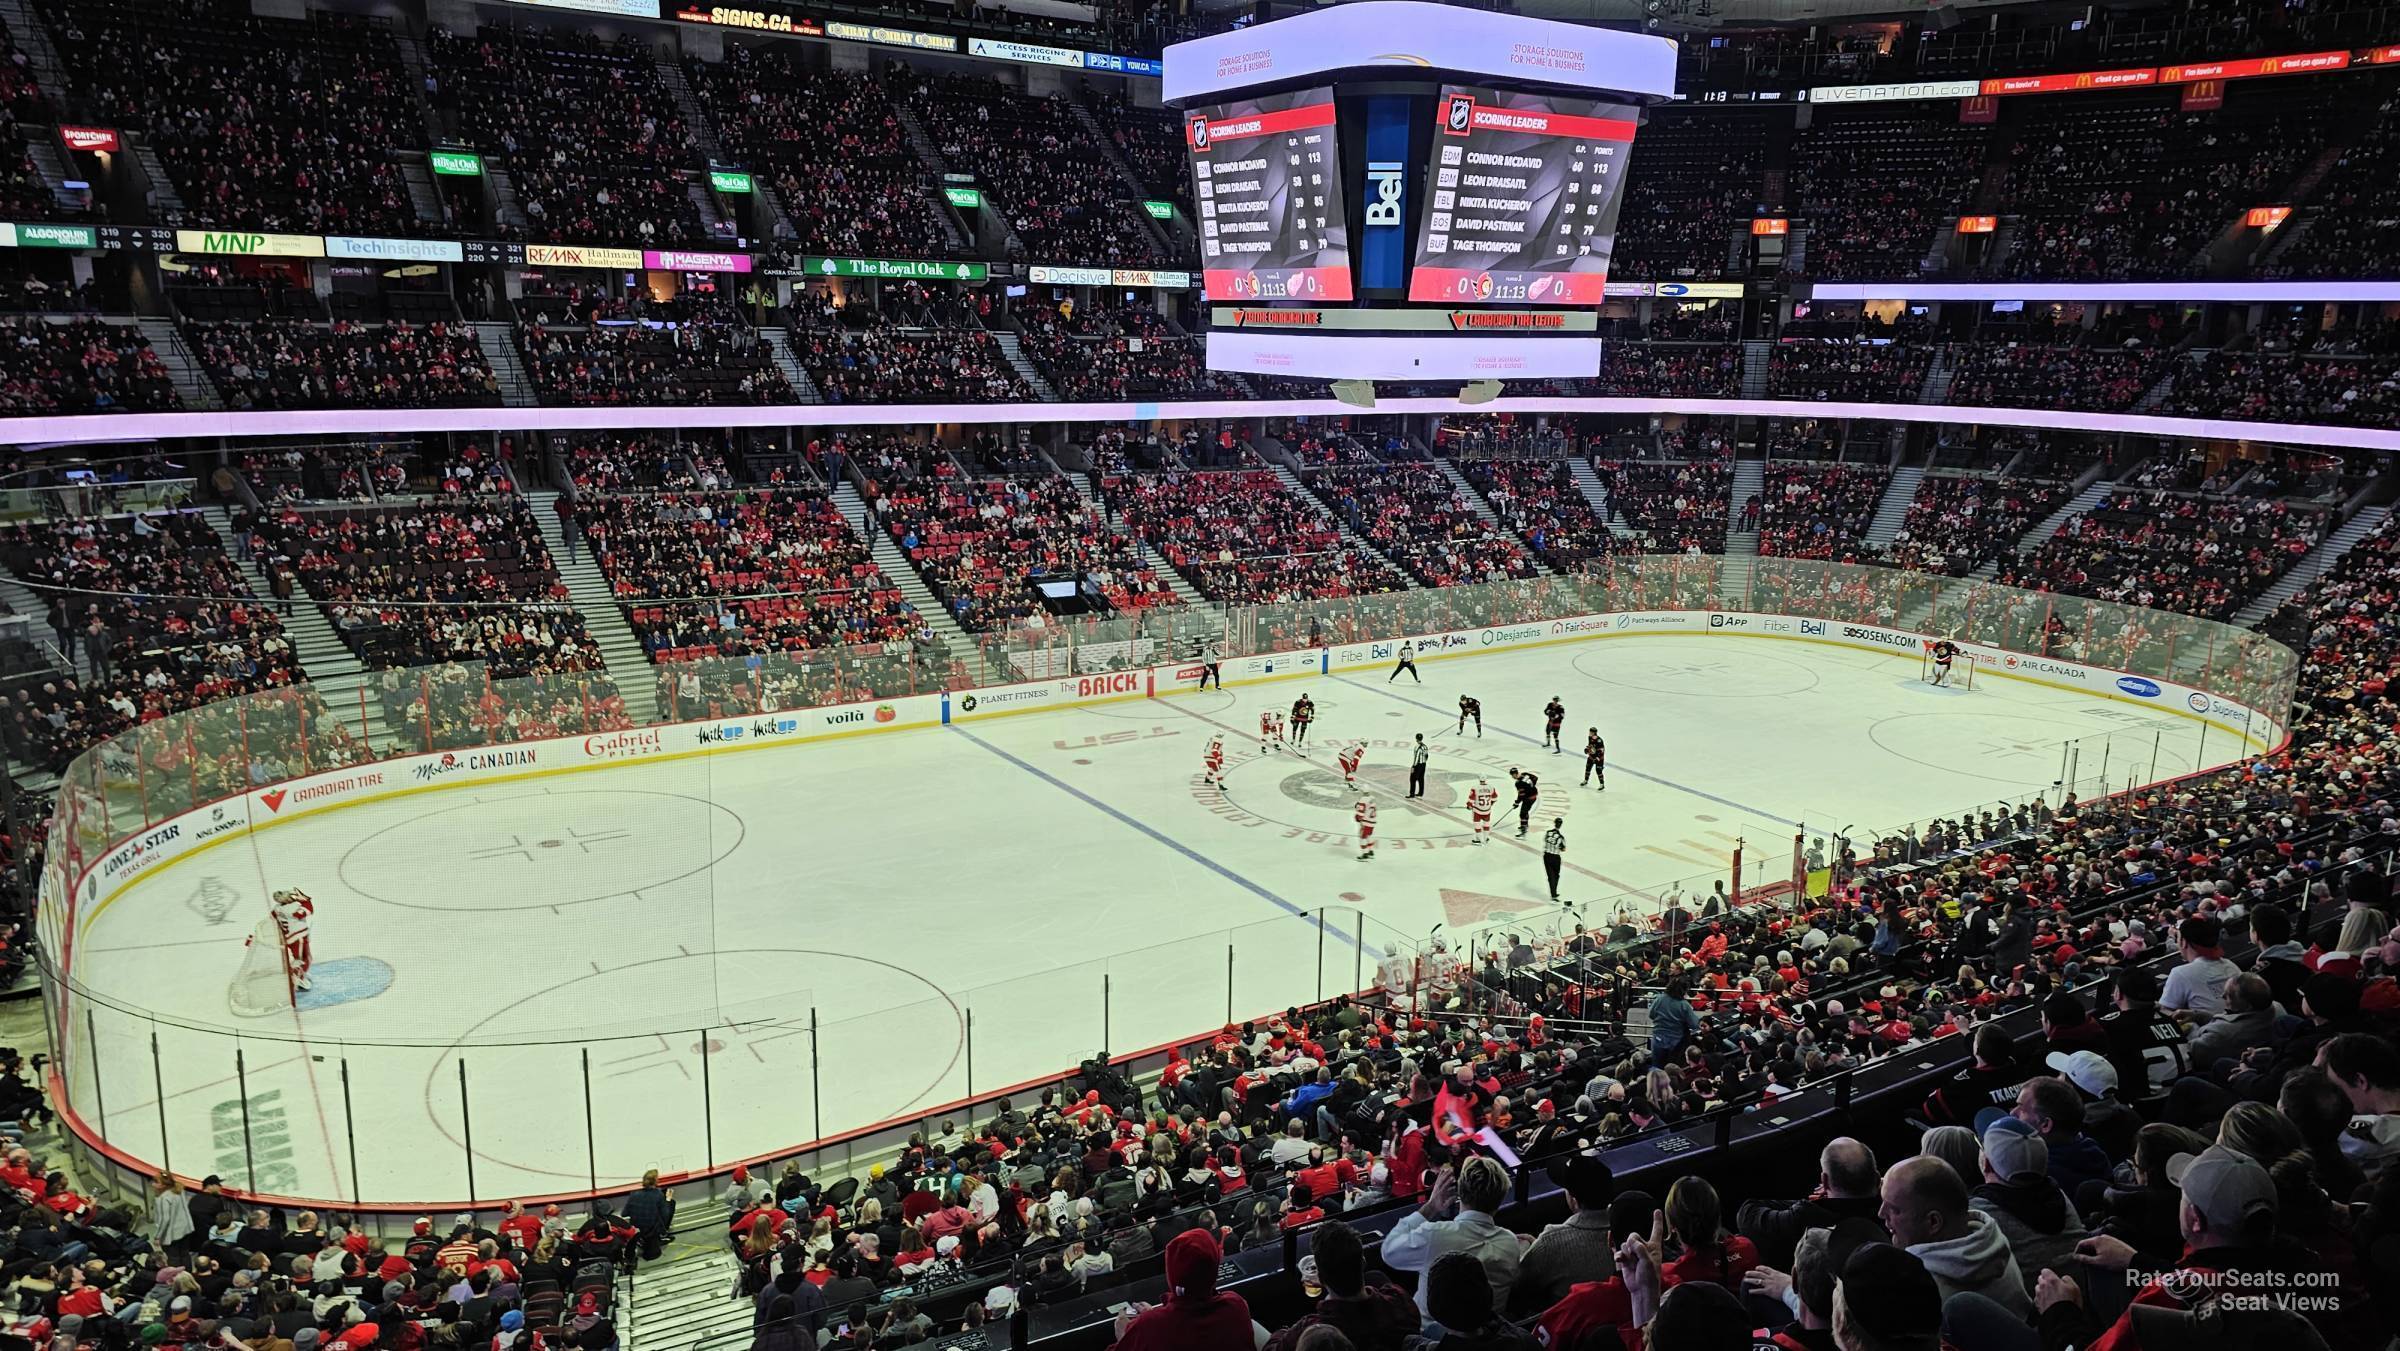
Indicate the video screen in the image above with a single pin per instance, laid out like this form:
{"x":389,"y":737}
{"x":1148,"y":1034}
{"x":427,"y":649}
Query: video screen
{"x":1522,"y":197}
{"x":1267,"y":182}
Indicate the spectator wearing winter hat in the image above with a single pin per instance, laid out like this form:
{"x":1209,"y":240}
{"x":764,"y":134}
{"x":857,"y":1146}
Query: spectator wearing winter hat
{"x":1197,"y":1316}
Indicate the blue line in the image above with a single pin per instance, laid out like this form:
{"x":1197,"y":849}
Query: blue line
{"x":1615,"y":767}
{"x":1178,"y":846}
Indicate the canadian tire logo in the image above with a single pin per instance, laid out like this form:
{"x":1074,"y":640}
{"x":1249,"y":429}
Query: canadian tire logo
{"x":885,"y":713}
{"x":274,"y":798}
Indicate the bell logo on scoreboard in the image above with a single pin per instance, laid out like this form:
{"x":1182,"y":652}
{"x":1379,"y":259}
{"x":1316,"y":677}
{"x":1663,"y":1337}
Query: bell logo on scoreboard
{"x":1461,"y":119}
{"x":1383,"y":192}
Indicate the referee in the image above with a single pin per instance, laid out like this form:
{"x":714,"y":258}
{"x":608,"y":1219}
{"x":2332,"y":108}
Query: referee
{"x":1554,"y":851}
{"x":1408,"y":663}
{"x":1208,"y":667}
{"x":1416,"y":767}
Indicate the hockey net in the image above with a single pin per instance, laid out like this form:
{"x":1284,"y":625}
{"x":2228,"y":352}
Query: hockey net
{"x":263,"y":985}
{"x":1962,"y":669}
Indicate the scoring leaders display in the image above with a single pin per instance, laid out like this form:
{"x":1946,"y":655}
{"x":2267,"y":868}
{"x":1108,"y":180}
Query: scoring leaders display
{"x":1267,"y":184}
{"x":1523,"y":194}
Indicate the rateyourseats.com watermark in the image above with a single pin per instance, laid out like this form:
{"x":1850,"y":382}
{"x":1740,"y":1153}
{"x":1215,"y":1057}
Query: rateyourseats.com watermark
{"x":2235,"y":1291}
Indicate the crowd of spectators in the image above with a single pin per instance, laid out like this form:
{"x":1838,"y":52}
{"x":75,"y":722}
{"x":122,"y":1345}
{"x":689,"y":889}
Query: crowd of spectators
{"x":625,"y":463}
{"x":916,"y":365}
{"x":1113,"y":352}
{"x":152,"y":612}
{"x":1055,"y":186}
{"x":832,"y":145}
{"x":1242,"y":538}
{"x":1676,"y":506}
{"x":2354,"y":228}
{"x":1877,"y":186}
{"x":286,"y":364}
{"x":1819,"y":511}
{"x":263,"y":123}
{"x":1151,"y":140}
{"x":1956,"y":522}
{"x":2170,"y":551}
{"x":706,"y":574}
{"x":712,"y":359}
{"x":2287,"y":387}
{"x":1671,"y":370}
{"x":982,"y":544}
{"x":1411,"y":514}
{"x":81,"y":366}
{"x":2053,"y":375}
{"x":1542,"y":503}
{"x":1694,"y":184}
{"x":1854,"y":372}
{"x":594,"y":143}
{"x":460,"y":577}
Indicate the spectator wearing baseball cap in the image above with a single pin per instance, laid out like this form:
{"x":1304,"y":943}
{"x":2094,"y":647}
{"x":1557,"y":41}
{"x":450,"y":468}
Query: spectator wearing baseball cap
{"x":2039,"y":1222}
{"x":2055,"y":1111}
{"x":2227,"y":1222}
{"x":2106,"y":1118}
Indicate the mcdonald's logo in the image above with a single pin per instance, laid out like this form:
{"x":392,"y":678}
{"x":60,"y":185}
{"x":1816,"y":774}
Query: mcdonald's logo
{"x":2084,"y":81}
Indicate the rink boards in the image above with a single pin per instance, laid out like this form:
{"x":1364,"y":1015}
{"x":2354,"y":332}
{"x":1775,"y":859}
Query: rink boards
{"x":262,"y":809}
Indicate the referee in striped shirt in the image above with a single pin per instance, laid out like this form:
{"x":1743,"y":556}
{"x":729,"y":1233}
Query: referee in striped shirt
{"x":1554,"y":851}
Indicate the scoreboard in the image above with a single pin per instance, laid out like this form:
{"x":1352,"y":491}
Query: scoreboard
{"x":1267,"y":184}
{"x":1524,"y":202}
{"x":1361,"y":159}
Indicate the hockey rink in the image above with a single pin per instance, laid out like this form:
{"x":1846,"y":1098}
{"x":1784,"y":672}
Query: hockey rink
{"x":738,"y":954}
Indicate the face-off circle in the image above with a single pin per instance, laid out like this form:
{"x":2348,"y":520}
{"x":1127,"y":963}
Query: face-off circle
{"x":1299,"y":793}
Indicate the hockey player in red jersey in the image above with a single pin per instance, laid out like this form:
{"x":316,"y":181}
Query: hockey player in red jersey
{"x":1213,"y":771}
{"x":1349,"y":759}
{"x":1270,"y":731}
{"x":1364,"y":814}
{"x":1480,"y":800}
{"x":292,"y":910}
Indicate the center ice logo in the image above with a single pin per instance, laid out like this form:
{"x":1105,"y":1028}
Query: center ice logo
{"x":1323,"y":788}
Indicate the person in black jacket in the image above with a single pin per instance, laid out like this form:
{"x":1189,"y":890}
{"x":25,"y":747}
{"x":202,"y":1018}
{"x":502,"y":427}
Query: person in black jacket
{"x":1991,"y":1081}
{"x":652,"y":1212}
{"x":1849,"y":1184}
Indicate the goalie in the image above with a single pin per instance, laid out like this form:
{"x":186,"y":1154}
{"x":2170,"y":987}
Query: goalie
{"x":1943,"y":653}
{"x":292,"y":910}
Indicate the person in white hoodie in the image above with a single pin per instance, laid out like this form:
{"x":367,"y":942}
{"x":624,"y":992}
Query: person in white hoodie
{"x":1926,"y":1208}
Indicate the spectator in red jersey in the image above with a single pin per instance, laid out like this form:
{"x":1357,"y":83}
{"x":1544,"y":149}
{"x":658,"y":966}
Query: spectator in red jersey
{"x":1196,"y":1316}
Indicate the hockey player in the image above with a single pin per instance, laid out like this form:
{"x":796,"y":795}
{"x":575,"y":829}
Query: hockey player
{"x":1470,"y":708}
{"x":1349,"y":760}
{"x":1529,"y":791}
{"x":1364,"y":814}
{"x":1304,"y":712}
{"x":1270,"y":730}
{"x":1595,"y":759}
{"x":1944,"y":653}
{"x":292,"y":910}
{"x":1480,"y":800}
{"x":1554,"y":716}
{"x":1213,"y":771}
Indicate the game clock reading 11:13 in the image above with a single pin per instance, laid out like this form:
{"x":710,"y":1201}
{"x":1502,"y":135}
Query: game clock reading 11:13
{"x":1522,"y":198}
{"x":1267,"y":186}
